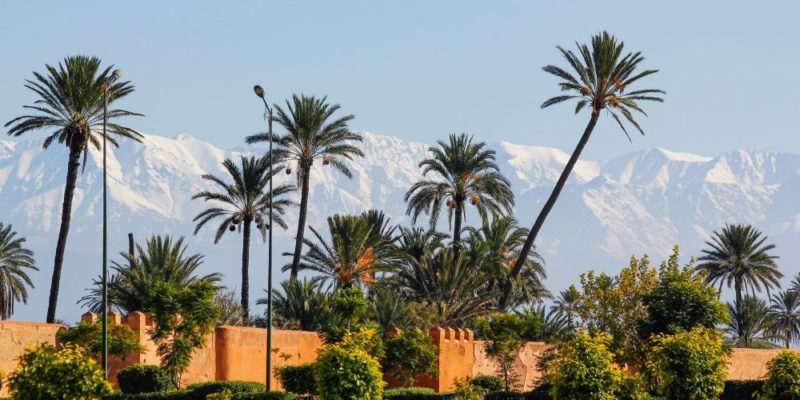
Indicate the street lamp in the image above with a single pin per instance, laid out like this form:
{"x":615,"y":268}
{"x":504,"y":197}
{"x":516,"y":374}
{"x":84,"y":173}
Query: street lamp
{"x":114,"y":77}
{"x":268,"y":115}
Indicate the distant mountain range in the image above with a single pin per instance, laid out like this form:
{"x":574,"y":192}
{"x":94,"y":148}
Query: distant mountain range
{"x":643,"y":202}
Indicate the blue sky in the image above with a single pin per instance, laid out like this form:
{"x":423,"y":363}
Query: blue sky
{"x":422,"y":69}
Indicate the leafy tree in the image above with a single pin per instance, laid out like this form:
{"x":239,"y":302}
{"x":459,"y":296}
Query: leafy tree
{"x":15,"y":259}
{"x":388,"y":308}
{"x":462,"y":172}
{"x":749,"y":323}
{"x":410,"y":353}
{"x":182,"y":316}
{"x":738,"y":255}
{"x":230,"y":309}
{"x":680,"y":301}
{"x":784,"y":316}
{"x":783,"y":378}
{"x":47,"y":373}
{"x":349,"y":313}
{"x":583,"y":369}
{"x":359,"y":248}
{"x":600,"y":80}
{"x":302,"y":305}
{"x":239,"y":202}
{"x":162,"y":260}
{"x":71,"y":105}
{"x":690,"y":365}
{"x":89,"y":335}
{"x":503,"y":333}
{"x":495,"y":247}
{"x":346,"y":370}
{"x":311,"y":134}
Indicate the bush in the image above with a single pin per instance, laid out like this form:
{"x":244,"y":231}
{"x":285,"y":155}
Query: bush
{"x":264,"y":396}
{"x":583,"y":369}
{"x":741,"y":390}
{"x":690,"y":365}
{"x":415,"y":393}
{"x":45,"y":373}
{"x":89,"y":335}
{"x":541,"y":392}
{"x":298,"y":379}
{"x":347,"y":371}
{"x":144,"y":379}
{"x":505,"y":396}
{"x":488,"y":382}
{"x":169,"y":395}
{"x":783,"y":378}
{"x":201,"y":390}
{"x":410,"y":354}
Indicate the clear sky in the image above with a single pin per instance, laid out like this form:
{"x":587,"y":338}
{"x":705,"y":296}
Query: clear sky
{"x":422,"y":69}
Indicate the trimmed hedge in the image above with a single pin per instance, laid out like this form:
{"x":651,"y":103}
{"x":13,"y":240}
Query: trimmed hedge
{"x":264,"y":396}
{"x":298,"y":379}
{"x":488,"y":382}
{"x":506,"y":396}
{"x":416,"y":393}
{"x":740,"y":390}
{"x":135,"y":379}
{"x":201,"y":390}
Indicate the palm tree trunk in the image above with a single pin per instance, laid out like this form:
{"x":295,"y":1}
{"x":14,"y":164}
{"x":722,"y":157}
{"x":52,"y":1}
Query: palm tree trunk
{"x":738,"y":288}
{"x":301,"y":222}
{"x":457,"y":229}
{"x":548,"y":206}
{"x":246,"y":270}
{"x":66,"y":215}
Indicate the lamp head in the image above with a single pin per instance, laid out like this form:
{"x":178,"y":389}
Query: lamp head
{"x":259,"y":91}
{"x":116,"y":74}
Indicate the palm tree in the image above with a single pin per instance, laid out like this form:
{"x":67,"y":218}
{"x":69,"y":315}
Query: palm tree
{"x":241,"y":202}
{"x":162,"y":261}
{"x":310,"y":135}
{"x":749,"y":322}
{"x":14,"y":261}
{"x":566,"y":306}
{"x":600,"y":80}
{"x":495,"y":248}
{"x":360,"y":246}
{"x":71,"y":105}
{"x":462,"y":172}
{"x":784,"y":314}
{"x":738,"y":256}
{"x":302,"y":305}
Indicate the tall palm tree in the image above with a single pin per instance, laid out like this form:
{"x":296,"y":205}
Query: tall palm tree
{"x":240,"y":201}
{"x":565,"y":305}
{"x":602,"y":75}
{"x":738,"y":256}
{"x":15,"y":259}
{"x":303,"y":304}
{"x":784,"y":314}
{"x":495,"y":247}
{"x":359,"y":247}
{"x":461,"y":172}
{"x":749,"y":322}
{"x":162,"y":260}
{"x":70,"y":105}
{"x":311,"y":134}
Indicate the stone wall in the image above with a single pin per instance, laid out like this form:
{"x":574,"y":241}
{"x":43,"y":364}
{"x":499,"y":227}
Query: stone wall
{"x":525,"y":372}
{"x":16,"y":337}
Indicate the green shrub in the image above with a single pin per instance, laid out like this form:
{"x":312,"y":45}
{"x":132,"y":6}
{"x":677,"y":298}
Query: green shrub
{"x":346,"y":370}
{"x":89,"y":335}
{"x":690,"y":365}
{"x":583,"y":369}
{"x":201,"y":390}
{"x":416,"y":393}
{"x":45,"y":373}
{"x":168,"y":395}
{"x":541,"y":392}
{"x":741,"y":390}
{"x":505,"y":396}
{"x":783,"y":378}
{"x":298,"y":379}
{"x":410,"y":354}
{"x":144,"y":379}
{"x":488,"y":382}
{"x":264,"y":396}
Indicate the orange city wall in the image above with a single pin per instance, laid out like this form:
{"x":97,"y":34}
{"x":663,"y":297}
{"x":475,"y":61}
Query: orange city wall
{"x":239,"y":353}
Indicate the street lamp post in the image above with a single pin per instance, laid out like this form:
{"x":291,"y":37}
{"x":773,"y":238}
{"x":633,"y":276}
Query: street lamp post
{"x":268,"y":115}
{"x":114,"y":76}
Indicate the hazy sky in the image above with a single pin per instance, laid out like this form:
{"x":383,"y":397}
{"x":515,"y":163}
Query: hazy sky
{"x":422,"y":69}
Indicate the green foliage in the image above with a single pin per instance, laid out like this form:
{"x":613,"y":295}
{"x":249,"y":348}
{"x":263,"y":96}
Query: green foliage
{"x":15,"y":259}
{"x":141,"y":378}
{"x":192,"y":395}
{"x":750,"y":323}
{"x":584,"y":370}
{"x":350,"y":311}
{"x":201,"y":390}
{"x":346,"y":370}
{"x":783,"y":378}
{"x":487,"y":382}
{"x":415,"y":393}
{"x":302,"y":305}
{"x":681,"y":301}
{"x":409,"y":354}
{"x":505,"y":396}
{"x":503,"y":332}
{"x":741,"y":390}
{"x":223,"y":395}
{"x":89,"y":335}
{"x":264,"y":396}
{"x":689,"y":365}
{"x":183,"y":316}
{"x":45,"y":373}
{"x":465,"y":391}
{"x":298,"y":379}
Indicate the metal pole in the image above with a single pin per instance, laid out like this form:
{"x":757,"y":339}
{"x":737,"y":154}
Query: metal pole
{"x":269,"y":265}
{"x":105,"y":236}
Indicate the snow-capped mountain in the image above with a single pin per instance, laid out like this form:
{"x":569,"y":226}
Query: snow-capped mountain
{"x":643,"y":202}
